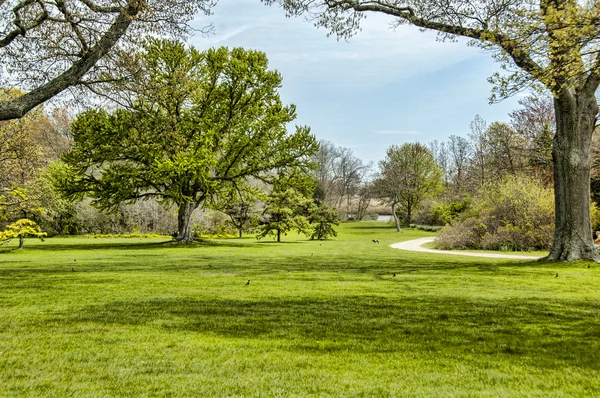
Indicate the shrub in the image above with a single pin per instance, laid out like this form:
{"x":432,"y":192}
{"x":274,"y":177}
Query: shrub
{"x":517,"y":214}
{"x":439,"y":213}
{"x":595,"y":216}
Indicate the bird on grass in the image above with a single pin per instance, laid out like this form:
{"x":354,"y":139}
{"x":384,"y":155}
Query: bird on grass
{"x":588,"y":266}
{"x":394,"y":275}
{"x":247,"y":283}
{"x":73,"y":269}
{"x":209,"y":266}
{"x":74,"y":260}
{"x":288,"y":270}
{"x":375,"y":240}
{"x":556,"y":276}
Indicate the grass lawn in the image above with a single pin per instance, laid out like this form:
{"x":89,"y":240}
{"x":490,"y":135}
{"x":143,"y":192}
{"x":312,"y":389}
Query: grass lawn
{"x":140,"y":317}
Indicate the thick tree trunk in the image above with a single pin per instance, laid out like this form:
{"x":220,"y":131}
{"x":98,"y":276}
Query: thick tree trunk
{"x":240,"y":231}
{"x":184,"y":215}
{"x":575,"y":121}
{"x":278,"y":235}
{"x":394,"y":204}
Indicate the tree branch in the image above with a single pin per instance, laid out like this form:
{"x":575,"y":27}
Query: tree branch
{"x":18,"y":107}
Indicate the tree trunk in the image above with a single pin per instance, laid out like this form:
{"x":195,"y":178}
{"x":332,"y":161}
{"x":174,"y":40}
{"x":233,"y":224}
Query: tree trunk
{"x":240,"y":231}
{"x":394,"y":204}
{"x":184,"y":215}
{"x":278,"y":235}
{"x":21,"y":241}
{"x":575,"y":122}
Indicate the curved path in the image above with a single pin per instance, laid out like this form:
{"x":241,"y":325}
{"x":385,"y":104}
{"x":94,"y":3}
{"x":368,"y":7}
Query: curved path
{"x":416,"y":245}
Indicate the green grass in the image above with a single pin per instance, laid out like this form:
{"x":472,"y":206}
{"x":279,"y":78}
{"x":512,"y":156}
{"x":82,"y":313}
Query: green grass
{"x":141,"y":317}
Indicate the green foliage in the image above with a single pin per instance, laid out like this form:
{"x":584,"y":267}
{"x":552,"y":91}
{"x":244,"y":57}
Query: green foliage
{"x":408,"y":174}
{"x":20,"y":229}
{"x":285,"y":210}
{"x":441,"y":214}
{"x":240,"y":202}
{"x":322,"y":219}
{"x":595,"y":217}
{"x":199,"y":123}
{"x":213,"y":224}
{"x":428,"y":228}
{"x":517,"y":214}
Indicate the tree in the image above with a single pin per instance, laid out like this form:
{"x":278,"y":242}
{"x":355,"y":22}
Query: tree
{"x":505,"y":150}
{"x":47,"y":47}
{"x":201,"y":122}
{"x":21,"y":152}
{"x":549,"y":43}
{"x":20,"y":229}
{"x":365,"y":196}
{"x":339,"y":173}
{"x":239,"y":202}
{"x":479,"y":145}
{"x":322,"y":218}
{"x":349,"y":172}
{"x":536,"y":124}
{"x":408,"y":174}
{"x":287,"y":205}
{"x":459,"y":150}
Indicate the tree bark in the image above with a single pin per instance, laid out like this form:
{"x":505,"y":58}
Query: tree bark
{"x":394,"y":204}
{"x":278,"y":235}
{"x":575,"y":122}
{"x":19,"y":107}
{"x":240,"y":231}
{"x":184,"y":215}
{"x":21,"y":241}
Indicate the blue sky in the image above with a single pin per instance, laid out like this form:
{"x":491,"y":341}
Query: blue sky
{"x":381,"y":87}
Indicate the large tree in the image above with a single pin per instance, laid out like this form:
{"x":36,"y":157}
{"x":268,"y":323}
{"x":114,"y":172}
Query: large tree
{"x":48,"y":46}
{"x":200,"y":123}
{"x":552,"y":43}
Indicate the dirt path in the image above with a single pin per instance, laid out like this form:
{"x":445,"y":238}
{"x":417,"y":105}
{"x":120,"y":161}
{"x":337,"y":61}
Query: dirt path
{"x":416,"y":245}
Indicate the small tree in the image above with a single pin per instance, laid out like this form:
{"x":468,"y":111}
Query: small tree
{"x":240,"y":203}
{"x":322,"y":219}
{"x":408,"y":174}
{"x":284,"y":211}
{"x":20,"y":229}
{"x":288,"y":205}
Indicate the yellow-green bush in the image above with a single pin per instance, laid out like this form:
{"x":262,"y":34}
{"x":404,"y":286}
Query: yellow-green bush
{"x":516,"y":214}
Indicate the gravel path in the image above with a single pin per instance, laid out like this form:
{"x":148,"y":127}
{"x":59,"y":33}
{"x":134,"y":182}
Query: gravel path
{"x":415,"y":245}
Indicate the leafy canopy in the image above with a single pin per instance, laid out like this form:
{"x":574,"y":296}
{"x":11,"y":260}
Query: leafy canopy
{"x":199,"y":123}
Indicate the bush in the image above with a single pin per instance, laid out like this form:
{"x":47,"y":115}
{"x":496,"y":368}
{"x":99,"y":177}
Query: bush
{"x":517,"y":214}
{"x":214,"y":224}
{"x":428,"y":228}
{"x":595,"y":216}
{"x":439,"y":213}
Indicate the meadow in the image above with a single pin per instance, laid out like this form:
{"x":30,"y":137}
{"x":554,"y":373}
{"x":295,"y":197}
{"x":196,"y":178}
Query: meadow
{"x":84,"y":317}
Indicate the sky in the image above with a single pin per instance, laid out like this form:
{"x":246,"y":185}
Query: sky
{"x":382,"y":87}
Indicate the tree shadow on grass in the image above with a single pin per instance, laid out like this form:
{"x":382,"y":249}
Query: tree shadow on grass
{"x":125,"y":244}
{"x":542,"y":333}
